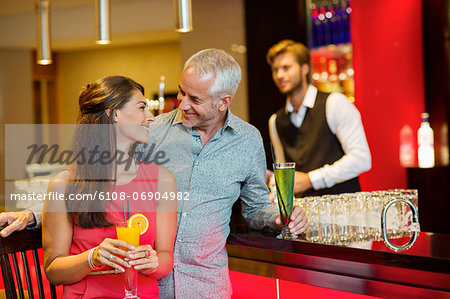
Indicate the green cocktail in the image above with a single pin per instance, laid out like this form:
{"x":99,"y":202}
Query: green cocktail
{"x":284,"y":180}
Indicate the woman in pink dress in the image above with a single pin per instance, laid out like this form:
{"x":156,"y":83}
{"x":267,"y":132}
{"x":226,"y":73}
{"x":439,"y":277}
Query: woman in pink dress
{"x":103,"y":185}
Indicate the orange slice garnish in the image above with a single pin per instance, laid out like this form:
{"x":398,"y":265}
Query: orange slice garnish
{"x":140,"y":221}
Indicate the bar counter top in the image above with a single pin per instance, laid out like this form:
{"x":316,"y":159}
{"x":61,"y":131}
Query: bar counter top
{"x":423,"y":271}
{"x":369,"y":268}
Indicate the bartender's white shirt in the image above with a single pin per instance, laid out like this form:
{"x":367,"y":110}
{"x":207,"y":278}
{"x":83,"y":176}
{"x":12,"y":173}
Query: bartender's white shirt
{"x":344,"y":120}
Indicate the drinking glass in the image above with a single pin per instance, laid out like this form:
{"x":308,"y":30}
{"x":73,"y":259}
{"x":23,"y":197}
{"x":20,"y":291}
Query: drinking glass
{"x":131,"y":236}
{"x":392,"y":215}
{"x":284,"y":181}
{"x":312,"y":211}
{"x":342,"y":219}
{"x":399,"y":210}
{"x":326,"y":219}
{"x":358,"y":219}
{"x":404,"y":210}
{"x":375,"y":208}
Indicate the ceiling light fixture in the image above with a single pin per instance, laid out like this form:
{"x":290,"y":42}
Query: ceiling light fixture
{"x":42,"y":10}
{"x":183,"y":15}
{"x":102,"y":22}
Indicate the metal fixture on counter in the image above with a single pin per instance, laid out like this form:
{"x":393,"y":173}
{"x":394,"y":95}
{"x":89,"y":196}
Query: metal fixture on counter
{"x":102,"y":22}
{"x":183,"y":15}
{"x":415,"y":225}
{"x":42,"y":10}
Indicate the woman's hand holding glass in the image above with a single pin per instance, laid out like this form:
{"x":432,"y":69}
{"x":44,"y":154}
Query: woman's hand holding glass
{"x":144,"y":259}
{"x":113,"y":253}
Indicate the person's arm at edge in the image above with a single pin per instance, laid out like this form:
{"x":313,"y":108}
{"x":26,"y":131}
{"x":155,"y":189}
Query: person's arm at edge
{"x":15,"y":221}
{"x":36,"y":211}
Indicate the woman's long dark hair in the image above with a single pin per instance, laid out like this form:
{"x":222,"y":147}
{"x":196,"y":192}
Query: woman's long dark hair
{"x":95,"y":135}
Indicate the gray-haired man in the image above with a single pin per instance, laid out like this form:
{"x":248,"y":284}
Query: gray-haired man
{"x":216,"y":158}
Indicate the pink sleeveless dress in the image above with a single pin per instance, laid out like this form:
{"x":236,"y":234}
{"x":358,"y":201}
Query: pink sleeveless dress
{"x":111,"y":285}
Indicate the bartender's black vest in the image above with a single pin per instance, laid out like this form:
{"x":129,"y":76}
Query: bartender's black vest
{"x":313,"y":145}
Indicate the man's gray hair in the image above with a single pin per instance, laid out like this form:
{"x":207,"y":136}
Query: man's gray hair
{"x":222,"y":64}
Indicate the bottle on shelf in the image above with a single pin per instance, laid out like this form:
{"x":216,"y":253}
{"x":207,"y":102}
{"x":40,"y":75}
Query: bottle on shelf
{"x":345,"y":19}
{"x":162,"y":84}
{"x":334,"y":20}
{"x":323,"y":84}
{"x":330,"y":22}
{"x":340,"y":26}
{"x":333,"y":77}
{"x":348,"y":85}
{"x":315,"y":26}
{"x":324,"y":17}
{"x":407,"y":152}
{"x":425,"y":138}
{"x":315,"y":72}
{"x":444,"y":145}
{"x":343,"y":77}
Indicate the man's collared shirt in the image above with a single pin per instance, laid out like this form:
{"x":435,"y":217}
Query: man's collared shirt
{"x":230,"y":166}
{"x":344,"y":120}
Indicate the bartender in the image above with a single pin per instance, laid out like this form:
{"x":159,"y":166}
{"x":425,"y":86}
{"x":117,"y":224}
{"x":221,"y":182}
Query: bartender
{"x":321,"y":132}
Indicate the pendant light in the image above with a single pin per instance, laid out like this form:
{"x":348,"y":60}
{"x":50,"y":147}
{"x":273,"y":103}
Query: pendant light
{"x":42,"y":10}
{"x":102,"y":22}
{"x":183,"y":15}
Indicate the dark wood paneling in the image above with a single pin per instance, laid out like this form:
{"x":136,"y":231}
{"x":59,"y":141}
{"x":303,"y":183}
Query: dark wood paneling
{"x":436,"y":42}
{"x":433,"y":183}
{"x":434,"y":197}
{"x":268,"y":22}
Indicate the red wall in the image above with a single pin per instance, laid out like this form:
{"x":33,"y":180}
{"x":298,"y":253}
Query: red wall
{"x":389,"y":81}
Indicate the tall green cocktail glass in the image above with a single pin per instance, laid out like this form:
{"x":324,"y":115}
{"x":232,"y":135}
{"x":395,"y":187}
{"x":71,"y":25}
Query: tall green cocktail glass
{"x":284,"y":180}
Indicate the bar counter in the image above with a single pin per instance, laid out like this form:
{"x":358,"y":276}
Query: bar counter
{"x":422,"y":271}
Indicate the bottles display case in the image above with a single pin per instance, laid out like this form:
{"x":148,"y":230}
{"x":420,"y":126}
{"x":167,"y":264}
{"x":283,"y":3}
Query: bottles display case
{"x":331,"y":48}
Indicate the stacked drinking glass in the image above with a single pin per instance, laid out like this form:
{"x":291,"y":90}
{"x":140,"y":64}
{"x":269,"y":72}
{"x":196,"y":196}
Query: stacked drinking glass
{"x":356,"y":217}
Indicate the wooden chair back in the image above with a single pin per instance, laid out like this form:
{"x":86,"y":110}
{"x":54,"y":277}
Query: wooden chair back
{"x":21,"y":244}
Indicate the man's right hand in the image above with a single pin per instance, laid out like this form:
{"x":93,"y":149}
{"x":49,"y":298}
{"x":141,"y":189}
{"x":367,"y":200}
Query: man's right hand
{"x":15,"y":221}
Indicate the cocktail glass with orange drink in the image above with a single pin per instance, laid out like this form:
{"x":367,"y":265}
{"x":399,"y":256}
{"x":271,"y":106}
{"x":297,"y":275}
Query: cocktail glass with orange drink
{"x":130,"y":232}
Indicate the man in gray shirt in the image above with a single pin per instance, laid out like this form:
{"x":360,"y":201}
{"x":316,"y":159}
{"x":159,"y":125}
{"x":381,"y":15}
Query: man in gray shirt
{"x":216,"y":158}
